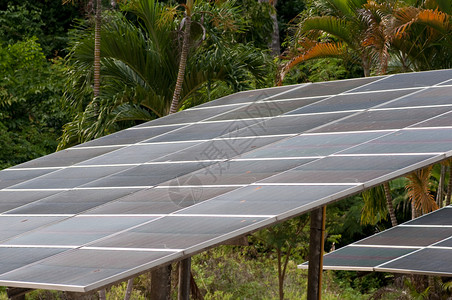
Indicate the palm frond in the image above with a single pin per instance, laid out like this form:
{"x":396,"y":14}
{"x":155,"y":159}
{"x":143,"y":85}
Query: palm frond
{"x":418,"y":190}
{"x":339,"y":28}
{"x":435,"y":19}
{"x":374,"y":209}
{"x":318,"y":50}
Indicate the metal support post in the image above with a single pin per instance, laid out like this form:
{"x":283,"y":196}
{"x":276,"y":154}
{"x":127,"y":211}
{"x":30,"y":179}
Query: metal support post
{"x":184,"y":279}
{"x":316,"y":244}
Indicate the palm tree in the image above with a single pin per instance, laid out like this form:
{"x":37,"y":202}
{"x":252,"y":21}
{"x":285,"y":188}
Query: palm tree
{"x":418,"y":191}
{"x":377,"y":205}
{"x":357,"y":27}
{"x":422,"y":39}
{"x":140,"y":68}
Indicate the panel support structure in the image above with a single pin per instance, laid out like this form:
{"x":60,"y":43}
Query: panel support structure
{"x":161,"y":283}
{"x":17,"y":293}
{"x":316,"y":245}
{"x":184,"y":279}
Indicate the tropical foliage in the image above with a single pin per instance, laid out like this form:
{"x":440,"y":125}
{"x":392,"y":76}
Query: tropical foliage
{"x":140,"y":64}
{"x":381,"y":36}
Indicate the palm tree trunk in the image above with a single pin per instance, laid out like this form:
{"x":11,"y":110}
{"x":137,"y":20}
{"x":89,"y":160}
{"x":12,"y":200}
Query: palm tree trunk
{"x":182,"y":66}
{"x":388,"y":196}
{"x":97,"y":49}
{"x":449,"y":185}
{"x":440,"y":190}
{"x":274,"y":43}
{"x":366,"y":65}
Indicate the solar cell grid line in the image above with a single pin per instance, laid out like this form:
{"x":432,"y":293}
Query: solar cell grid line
{"x":267,"y":218}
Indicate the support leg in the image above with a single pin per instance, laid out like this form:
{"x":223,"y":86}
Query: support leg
{"x":184,"y":279}
{"x":161,"y":283}
{"x":316,"y":244}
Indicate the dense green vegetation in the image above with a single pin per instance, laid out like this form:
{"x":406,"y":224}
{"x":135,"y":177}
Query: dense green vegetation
{"x":46,"y":99}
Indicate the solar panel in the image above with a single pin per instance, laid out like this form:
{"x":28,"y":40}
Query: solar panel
{"x":123,"y":204}
{"x":420,"y":246}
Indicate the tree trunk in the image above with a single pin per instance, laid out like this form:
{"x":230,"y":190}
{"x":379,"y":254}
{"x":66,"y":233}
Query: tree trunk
{"x":182,"y":66}
{"x":414,"y":212}
{"x":129,"y":289}
{"x":388,"y":196}
{"x":161,"y":283}
{"x":274,"y":43}
{"x":98,"y":21}
{"x":440,"y":190}
{"x":366,"y":65}
{"x":195,"y":292}
{"x":280,"y":278}
{"x":449,"y":185}
{"x":102,"y":295}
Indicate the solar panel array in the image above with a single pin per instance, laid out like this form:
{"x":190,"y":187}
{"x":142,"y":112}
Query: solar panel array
{"x":108,"y":209}
{"x":420,"y":246}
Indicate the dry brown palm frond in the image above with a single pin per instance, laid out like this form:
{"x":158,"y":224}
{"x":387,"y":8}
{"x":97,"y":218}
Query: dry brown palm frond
{"x":404,"y":18}
{"x":418,"y":190}
{"x":318,"y":50}
{"x":434,"y":18}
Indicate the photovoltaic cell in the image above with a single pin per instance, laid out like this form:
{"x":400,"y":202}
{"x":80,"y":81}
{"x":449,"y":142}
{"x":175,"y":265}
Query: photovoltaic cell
{"x":139,"y":153}
{"x":188,"y":116}
{"x":437,"y":121}
{"x":431,"y":96}
{"x":420,"y":141}
{"x":351,"y":102}
{"x":266,"y":109}
{"x":221,"y":149}
{"x":15,"y":258}
{"x":81,"y":267}
{"x":11,"y":177}
{"x":130,"y":136}
{"x":290,"y":124}
{"x":161,"y":200}
{"x":69,"y":178}
{"x":13,"y":199}
{"x":176,"y":232}
{"x":71,"y":202}
{"x":11,"y":226}
{"x":65,"y":158}
{"x":203,"y":131}
{"x":326,"y":88}
{"x":114,"y":207}
{"x":384,"y":119}
{"x":239,"y":172}
{"x":76,"y":231}
{"x":312,"y":145}
{"x":362,"y":258}
{"x":265,"y":200}
{"x":251,"y":96}
{"x":146,"y":175}
{"x":426,"y":261}
{"x":346,"y":169}
{"x":409,"y":236}
{"x":408,"y":80}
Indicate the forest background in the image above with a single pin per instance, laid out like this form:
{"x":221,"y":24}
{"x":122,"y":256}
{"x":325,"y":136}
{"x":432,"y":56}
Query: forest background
{"x":47,"y":103}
